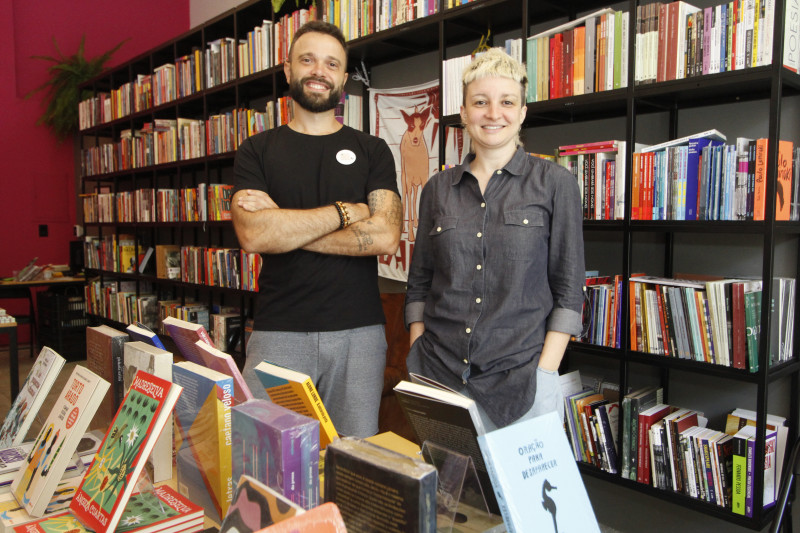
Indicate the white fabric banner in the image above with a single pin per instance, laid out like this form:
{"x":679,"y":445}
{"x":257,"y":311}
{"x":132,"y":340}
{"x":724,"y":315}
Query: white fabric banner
{"x":407,"y":119}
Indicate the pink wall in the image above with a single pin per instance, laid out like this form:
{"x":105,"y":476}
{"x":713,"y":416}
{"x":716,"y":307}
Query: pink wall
{"x":37,"y":172}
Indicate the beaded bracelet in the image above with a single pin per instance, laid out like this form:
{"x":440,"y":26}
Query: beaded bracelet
{"x":344,"y":216}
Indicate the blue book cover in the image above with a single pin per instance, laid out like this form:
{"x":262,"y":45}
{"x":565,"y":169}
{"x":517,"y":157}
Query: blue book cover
{"x":203,"y":437}
{"x":140,"y":332}
{"x":279,"y":448}
{"x":695,"y":146}
{"x":535,"y":477}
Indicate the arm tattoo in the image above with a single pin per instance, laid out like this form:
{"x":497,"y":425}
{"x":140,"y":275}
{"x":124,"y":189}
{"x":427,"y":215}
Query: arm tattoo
{"x":363,"y":238}
{"x":394,"y":211}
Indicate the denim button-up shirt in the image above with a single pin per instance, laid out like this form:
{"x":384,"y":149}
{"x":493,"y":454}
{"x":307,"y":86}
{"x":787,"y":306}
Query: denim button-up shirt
{"x":490,"y":274}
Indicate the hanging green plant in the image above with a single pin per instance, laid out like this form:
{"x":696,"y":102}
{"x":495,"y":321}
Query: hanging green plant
{"x":63,"y":95}
{"x":278,"y":4}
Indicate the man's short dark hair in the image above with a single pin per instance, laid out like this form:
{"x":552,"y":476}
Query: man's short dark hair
{"x":319,"y":26}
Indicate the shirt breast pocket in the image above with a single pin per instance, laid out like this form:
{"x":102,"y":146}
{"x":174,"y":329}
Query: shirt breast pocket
{"x":444,"y":240}
{"x":524,"y":234}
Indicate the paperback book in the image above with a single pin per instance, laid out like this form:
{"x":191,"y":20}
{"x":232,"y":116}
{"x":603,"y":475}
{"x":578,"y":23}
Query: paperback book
{"x":186,"y":334}
{"x":12,"y":514}
{"x":104,"y":349}
{"x":535,"y":477}
{"x":161,"y":511}
{"x":111,"y":480}
{"x":61,"y":432}
{"x":442,"y":416}
{"x":140,"y":332}
{"x":204,"y":437}
{"x":295,"y":390}
{"x":324,"y":518}
{"x":277,"y":447}
{"x":402,"y":490}
{"x":157,"y":362}
{"x":34,"y":390}
{"x":224,"y":363}
{"x":256,"y":506}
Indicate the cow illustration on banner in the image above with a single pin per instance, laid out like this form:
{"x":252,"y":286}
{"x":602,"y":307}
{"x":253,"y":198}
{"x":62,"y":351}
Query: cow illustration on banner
{"x":408,"y":120}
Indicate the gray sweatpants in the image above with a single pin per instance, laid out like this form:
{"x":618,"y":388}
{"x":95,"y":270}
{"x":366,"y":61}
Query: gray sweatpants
{"x":346,"y":367}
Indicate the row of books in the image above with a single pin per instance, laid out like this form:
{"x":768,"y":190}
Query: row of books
{"x":453,"y":70}
{"x":696,"y":177}
{"x":604,"y":308}
{"x":672,"y":448}
{"x":600,"y":169}
{"x":586,"y":55}
{"x":120,"y":301}
{"x":702,"y":178}
{"x":716,"y":322}
{"x":206,"y":202}
{"x":679,"y":40}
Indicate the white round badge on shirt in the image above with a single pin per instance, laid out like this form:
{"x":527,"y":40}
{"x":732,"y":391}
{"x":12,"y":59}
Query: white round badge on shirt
{"x":346,"y":157}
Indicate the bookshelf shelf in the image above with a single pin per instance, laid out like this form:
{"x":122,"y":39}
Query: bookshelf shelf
{"x":444,"y":34}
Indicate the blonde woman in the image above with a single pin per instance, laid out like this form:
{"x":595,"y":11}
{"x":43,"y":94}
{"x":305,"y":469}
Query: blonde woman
{"x":495,"y":282}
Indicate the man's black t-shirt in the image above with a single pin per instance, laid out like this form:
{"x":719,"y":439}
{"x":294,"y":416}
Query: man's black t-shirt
{"x":307,"y":291}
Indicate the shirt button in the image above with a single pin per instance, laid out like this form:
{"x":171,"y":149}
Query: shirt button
{"x":479,"y":267}
{"x":499,"y":172}
{"x":469,"y":330}
{"x":466,"y":362}
{"x":479,"y":235}
{"x":439,"y":228}
{"x":525,"y":221}
{"x":483,"y":204}
{"x":477,"y":300}
{"x":464,"y":381}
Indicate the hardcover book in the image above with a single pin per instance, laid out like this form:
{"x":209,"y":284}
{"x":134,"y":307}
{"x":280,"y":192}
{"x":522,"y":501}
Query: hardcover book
{"x":104,"y":349}
{"x":162,"y":510}
{"x":278,"y":447}
{"x":535,"y":477}
{"x":157,"y":362}
{"x":295,"y":390}
{"x":324,"y":518}
{"x":110,"y":481}
{"x":224,"y":363}
{"x":33,"y":392}
{"x":203,"y":437}
{"x":444,"y":417}
{"x":256,"y":506}
{"x":402,"y":490}
{"x":52,"y":450}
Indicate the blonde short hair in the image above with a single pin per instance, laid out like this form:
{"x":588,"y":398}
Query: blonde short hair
{"x":495,"y":63}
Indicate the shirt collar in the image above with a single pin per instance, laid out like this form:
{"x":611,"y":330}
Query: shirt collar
{"x":515,"y":166}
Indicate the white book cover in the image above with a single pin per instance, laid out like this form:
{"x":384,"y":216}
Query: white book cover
{"x":535,"y":477}
{"x":791,"y":36}
{"x":142,"y":356}
{"x":26,"y":406}
{"x":61,"y":432}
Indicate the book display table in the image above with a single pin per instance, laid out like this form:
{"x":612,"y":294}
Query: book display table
{"x":10,"y":329}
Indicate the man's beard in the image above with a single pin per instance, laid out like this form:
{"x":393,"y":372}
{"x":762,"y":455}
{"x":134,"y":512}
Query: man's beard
{"x":314,"y":102}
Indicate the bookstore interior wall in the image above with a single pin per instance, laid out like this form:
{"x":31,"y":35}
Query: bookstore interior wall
{"x":745,"y":103}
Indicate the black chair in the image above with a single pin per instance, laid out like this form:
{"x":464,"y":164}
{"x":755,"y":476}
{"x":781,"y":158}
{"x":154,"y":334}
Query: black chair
{"x":783,"y":506}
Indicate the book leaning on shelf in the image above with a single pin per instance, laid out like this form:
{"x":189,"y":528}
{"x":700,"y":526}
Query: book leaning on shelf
{"x":110,"y":481}
{"x":30,"y":398}
{"x":140,"y":332}
{"x":256,"y":506}
{"x":203,"y":437}
{"x":295,"y":390}
{"x":157,"y":362}
{"x":224,"y":363}
{"x":401,"y":490}
{"x":52,"y":450}
{"x":277,"y":447}
{"x":531,"y":469}
{"x":442,"y":416}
